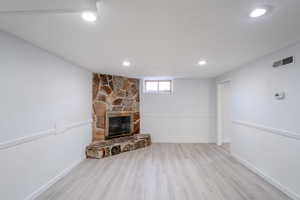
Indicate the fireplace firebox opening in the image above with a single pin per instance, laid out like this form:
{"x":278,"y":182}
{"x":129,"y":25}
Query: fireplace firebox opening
{"x":118,"y":125}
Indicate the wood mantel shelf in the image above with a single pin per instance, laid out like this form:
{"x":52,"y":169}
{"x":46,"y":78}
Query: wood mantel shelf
{"x":106,"y":148}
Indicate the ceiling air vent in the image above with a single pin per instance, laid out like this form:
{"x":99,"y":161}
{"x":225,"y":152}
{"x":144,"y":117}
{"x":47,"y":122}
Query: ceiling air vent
{"x":284,"y":61}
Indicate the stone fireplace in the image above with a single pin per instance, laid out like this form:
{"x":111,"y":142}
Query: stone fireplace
{"x":118,"y":124}
{"x":115,"y":96}
{"x":116,"y":117}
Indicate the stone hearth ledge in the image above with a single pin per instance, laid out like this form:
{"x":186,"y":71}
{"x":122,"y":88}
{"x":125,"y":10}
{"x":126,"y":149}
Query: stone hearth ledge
{"x":106,"y":148}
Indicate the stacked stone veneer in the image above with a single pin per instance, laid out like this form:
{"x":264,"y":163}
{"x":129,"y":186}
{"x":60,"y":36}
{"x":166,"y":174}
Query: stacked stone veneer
{"x":114,"y":93}
{"x":105,"y":148}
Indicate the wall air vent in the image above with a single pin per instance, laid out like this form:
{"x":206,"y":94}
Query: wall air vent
{"x":284,"y":61}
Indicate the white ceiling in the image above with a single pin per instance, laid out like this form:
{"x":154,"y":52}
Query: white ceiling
{"x":159,"y":37}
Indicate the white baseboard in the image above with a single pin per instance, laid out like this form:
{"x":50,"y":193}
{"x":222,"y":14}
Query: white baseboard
{"x":267,"y":178}
{"x":44,"y":187}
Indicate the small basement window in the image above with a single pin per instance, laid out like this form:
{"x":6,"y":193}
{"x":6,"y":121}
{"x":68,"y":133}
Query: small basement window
{"x":158,"y":86}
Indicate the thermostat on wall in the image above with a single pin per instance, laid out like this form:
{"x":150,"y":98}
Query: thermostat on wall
{"x":280,"y":95}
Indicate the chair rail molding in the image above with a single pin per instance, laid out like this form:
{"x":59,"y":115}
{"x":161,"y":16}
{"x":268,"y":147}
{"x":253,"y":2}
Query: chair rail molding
{"x":42,"y":134}
{"x":285,"y":133}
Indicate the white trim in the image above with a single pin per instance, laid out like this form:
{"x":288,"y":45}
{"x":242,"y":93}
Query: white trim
{"x":220,"y":134}
{"x":276,"y":131}
{"x":219,"y":116}
{"x":44,"y":187}
{"x":22,"y":140}
{"x":71,"y":126}
{"x":41,"y":134}
{"x":267,"y":178}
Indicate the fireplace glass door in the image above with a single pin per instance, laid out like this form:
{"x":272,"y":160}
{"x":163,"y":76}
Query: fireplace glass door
{"x":119,"y":126}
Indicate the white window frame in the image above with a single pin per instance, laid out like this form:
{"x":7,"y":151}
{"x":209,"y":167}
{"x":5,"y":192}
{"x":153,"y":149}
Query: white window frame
{"x":158,"y":91}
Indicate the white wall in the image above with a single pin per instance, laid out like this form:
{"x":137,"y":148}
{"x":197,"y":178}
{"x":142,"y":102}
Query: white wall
{"x":188,"y":115}
{"x":39,"y":91}
{"x":225,"y":90}
{"x":266,"y":131}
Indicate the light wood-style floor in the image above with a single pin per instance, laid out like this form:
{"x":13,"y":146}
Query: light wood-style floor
{"x":164,"y":172}
{"x":226,"y":147}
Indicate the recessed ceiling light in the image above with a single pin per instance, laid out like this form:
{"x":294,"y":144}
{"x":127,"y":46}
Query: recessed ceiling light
{"x":202,"y":62}
{"x":89,"y":16}
{"x":126,"y":63}
{"x":258,"y":12}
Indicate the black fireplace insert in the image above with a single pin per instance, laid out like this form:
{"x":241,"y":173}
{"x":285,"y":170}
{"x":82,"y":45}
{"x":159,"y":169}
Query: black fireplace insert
{"x":119,"y":126}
